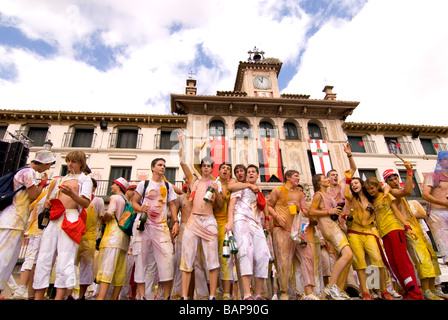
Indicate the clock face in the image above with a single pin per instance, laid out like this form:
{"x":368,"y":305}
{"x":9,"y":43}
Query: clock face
{"x":262,"y":82}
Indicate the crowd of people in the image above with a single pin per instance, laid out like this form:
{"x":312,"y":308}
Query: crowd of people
{"x":224,"y":238}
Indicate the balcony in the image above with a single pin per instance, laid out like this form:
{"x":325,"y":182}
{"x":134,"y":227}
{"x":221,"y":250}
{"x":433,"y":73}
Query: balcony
{"x":79,"y":139}
{"x":125,"y":139}
{"x":399,"y":147}
{"x":166,"y":141}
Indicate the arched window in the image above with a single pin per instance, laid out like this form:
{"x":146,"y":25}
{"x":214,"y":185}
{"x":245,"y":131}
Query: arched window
{"x":216,"y":128}
{"x":291,"y":132}
{"x":314,"y":131}
{"x":242,"y":129}
{"x":267,"y":130}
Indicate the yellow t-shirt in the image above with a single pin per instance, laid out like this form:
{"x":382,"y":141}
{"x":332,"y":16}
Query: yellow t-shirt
{"x":221,"y":214}
{"x":384,"y":215}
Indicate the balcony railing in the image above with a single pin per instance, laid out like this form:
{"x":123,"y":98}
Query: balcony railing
{"x":400,"y":147}
{"x":78,"y":140}
{"x":166,"y":141}
{"x":125,"y":140}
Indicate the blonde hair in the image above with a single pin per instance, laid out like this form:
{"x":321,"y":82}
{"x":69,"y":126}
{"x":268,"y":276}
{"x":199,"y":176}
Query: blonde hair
{"x":372,"y":181}
{"x":78,"y":157}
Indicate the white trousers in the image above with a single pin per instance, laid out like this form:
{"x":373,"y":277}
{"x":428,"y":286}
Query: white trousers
{"x":55,"y":241}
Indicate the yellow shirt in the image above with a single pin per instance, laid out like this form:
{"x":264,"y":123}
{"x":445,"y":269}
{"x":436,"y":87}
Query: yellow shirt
{"x":408,"y":215}
{"x":221,"y":214}
{"x":385,"y":217}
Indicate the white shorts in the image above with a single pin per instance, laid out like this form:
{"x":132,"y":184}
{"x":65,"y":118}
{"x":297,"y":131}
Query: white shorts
{"x":253,"y":251}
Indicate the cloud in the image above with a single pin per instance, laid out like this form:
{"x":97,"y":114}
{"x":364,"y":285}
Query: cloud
{"x":391,"y":57}
{"x":128,"y":56}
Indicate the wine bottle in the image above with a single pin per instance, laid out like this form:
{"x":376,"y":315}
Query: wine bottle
{"x":232,"y":242}
{"x":226,"y":247}
{"x":142,"y":221}
{"x":209,"y":194}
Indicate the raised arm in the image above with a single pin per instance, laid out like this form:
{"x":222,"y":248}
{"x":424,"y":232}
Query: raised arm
{"x":348,"y":150}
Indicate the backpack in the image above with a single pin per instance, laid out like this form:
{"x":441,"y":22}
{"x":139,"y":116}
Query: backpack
{"x":126,"y":221}
{"x":7,"y":192}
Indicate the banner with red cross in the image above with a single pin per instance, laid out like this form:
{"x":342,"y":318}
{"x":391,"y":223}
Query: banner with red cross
{"x":320,"y":156}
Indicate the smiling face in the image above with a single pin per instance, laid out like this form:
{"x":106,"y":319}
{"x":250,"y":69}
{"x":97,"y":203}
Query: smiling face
{"x":373,"y":190}
{"x":294,"y":179}
{"x":356,"y":186}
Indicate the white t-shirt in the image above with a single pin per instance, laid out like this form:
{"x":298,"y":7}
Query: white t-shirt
{"x":155,"y":196}
{"x":246,"y":207}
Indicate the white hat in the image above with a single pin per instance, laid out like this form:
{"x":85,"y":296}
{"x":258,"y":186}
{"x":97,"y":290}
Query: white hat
{"x":45,"y":157}
{"x":123,"y":183}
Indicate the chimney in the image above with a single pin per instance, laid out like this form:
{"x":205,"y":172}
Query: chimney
{"x":191,"y":87}
{"x":329,"y":95}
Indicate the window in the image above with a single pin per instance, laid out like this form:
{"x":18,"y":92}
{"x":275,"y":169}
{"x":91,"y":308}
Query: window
{"x":169,"y":140}
{"x":127,"y":138}
{"x":291,"y":132}
{"x":216,"y":129}
{"x":242,"y":129}
{"x":82,"y":138}
{"x":367,"y":173}
{"x":357,"y":144}
{"x":428,"y":146}
{"x":393,"y":145}
{"x":2,"y":132}
{"x":416,"y":193}
{"x":267,"y":130}
{"x":314,"y":131}
{"x":38,"y":134}
{"x":170,"y":175}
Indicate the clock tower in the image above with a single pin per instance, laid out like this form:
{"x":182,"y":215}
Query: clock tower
{"x":258,"y":76}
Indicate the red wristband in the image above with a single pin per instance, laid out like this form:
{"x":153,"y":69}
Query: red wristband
{"x":407,"y":227}
{"x":410,"y":172}
{"x":43,"y":183}
{"x":348,"y":180}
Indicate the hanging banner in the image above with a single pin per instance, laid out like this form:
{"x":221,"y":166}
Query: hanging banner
{"x":271,"y":158}
{"x":321,"y":158}
{"x":218,"y":152}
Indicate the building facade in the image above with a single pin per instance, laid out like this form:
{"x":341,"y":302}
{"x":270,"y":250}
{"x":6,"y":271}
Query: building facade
{"x":253,"y":124}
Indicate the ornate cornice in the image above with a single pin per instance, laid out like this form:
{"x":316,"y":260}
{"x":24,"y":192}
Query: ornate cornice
{"x":37,"y":116}
{"x":264,"y":107}
{"x":362,"y":127}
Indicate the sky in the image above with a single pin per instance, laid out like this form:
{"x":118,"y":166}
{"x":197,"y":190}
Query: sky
{"x":129,"y":56}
